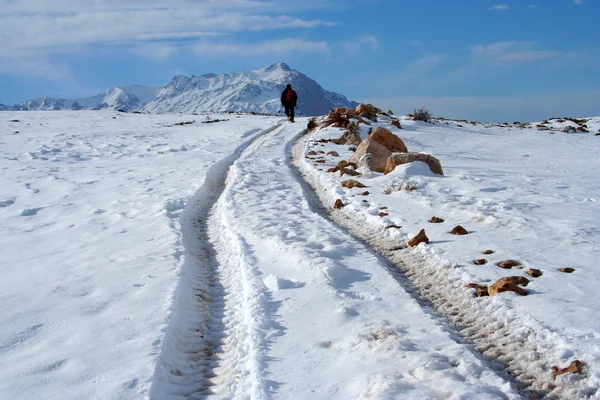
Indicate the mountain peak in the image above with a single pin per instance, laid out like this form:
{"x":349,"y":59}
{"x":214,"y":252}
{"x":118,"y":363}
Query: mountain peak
{"x":278,"y":66}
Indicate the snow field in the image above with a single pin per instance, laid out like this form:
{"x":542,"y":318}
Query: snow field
{"x":315,"y":314}
{"x":529,"y":196}
{"x":91,"y":247}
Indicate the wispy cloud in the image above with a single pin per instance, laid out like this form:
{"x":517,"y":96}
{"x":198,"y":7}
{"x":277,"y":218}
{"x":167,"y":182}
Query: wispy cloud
{"x":577,"y":1}
{"x":500,"y":7}
{"x":367,"y":42}
{"x":510,"y":53}
{"x":271,"y":47}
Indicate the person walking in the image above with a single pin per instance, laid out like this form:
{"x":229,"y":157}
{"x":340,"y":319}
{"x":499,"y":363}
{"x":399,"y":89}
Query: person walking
{"x":289,"y":98}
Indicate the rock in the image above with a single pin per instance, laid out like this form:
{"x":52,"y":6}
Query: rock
{"x":486,"y":252}
{"x":459,"y":230}
{"x":390,"y":112}
{"x":386,"y":138}
{"x":338,"y":204}
{"x":342,"y":164}
{"x":506,"y":285}
{"x":311,"y":153}
{"x":420,"y":238}
{"x":364,"y":108}
{"x":347,"y":171}
{"x":352,"y":148}
{"x":517,"y":280}
{"x":352,"y":138}
{"x":404,"y":158}
{"x":508,"y":264}
{"x":365,"y":193}
{"x":536,"y":273}
{"x":393,"y":227}
{"x":480,"y":261}
{"x":321,"y":161}
{"x":382,"y":214}
{"x":568,"y":129}
{"x":436,"y":220}
{"x":333,"y":154}
{"x":396,"y":123}
{"x":481,"y":290}
{"x":567,"y":270}
{"x":575,"y":368}
{"x":379,"y":153}
{"x":351,"y":183}
{"x":366,"y":164}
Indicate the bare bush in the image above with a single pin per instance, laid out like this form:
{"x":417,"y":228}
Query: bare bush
{"x":422,"y":114}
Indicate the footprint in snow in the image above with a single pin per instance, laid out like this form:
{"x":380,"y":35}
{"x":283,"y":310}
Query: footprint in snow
{"x":28,"y":212}
{"x":7,"y":202}
{"x":274,"y":283}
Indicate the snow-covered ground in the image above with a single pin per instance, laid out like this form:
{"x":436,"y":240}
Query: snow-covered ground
{"x":90,"y":244}
{"x":528,"y":195}
{"x":142,"y":259}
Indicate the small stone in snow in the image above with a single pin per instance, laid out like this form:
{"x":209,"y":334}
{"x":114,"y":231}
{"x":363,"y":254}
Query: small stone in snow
{"x":480,"y":261}
{"x":534,"y":272}
{"x":436,"y":220}
{"x":459,"y":230}
{"x":486,"y":252}
{"x":420,"y":238}
{"x":338,"y":204}
{"x":567,"y":270}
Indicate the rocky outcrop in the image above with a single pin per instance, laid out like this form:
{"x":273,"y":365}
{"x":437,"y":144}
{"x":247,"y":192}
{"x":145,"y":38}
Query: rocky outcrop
{"x":386,"y":138}
{"x":379,"y":153}
{"x":404,"y":158}
{"x":436,"y":220}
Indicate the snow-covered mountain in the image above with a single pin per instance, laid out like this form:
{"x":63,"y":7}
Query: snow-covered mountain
{"x":126,"y":98}
{"x":251,"y":91}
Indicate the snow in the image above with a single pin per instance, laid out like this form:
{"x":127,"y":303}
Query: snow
{"x":141,"y":259}
{"x":91,"y":246}
{"x":528,"y":195}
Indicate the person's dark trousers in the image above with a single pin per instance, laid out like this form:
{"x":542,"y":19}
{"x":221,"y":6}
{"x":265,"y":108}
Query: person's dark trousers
{"x":289,"y":112}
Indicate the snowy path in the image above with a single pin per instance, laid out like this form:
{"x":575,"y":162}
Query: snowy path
{"x":300,"y":309}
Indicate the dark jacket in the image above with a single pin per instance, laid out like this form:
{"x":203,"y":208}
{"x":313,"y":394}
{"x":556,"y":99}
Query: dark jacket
{"x":294,"y":98}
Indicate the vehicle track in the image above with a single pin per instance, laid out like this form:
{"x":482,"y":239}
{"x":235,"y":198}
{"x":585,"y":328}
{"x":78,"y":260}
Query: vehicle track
{"x":510,"y":349}
{"x":196,"y":359}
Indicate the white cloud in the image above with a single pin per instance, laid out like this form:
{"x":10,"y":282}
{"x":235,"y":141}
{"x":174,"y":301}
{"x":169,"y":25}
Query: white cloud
{"x":367,"y":42}
{"x":510,"y":53}
{"x":270,"y":47}
{"x":500,"y":7}
{"x":499,"y":109}
{"x":577,"y":1}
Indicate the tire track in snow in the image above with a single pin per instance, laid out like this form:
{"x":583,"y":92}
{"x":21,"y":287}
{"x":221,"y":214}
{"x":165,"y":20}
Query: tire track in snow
{"x":191,"y":364}
{"x":510,"y":350}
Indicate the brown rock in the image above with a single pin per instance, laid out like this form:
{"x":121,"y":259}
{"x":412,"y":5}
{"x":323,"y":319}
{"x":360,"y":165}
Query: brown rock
{"x":365,"y":193}
{"x":342,"y":164}
{"x":320,"y":152}
{"x":364,"y":108}
{"x":396,"y":123}
{"x":382,"y":214}
{"x":379,"y":153}
{"x":575,"y":368}
{"x":481,"y":261}
{"x":388,"y":139}
{"x":311,"y":153}
{"x":567,"y":270}
{"x":506,"y":285}
{"x":351,"y":183}
{"x":517,"y":280}
{"x":351,"y":138}
{"x":508,"y":264}
{"x":404,"y":158}
{"x":348,"y":171}
{"x":481,"y":290}
{"x":393,"y":227}
{"x":459,"y":230}
{"x":536,"y":273}
{"x":436,"y":220}
{"x":333,"y":154}
{"x":486,"y":252}
{"x":320,"y":161}
{"x":334,"y":169}
{"x":338,"y":204}
{"x":353,"y":148}
{"x":420,"y":238}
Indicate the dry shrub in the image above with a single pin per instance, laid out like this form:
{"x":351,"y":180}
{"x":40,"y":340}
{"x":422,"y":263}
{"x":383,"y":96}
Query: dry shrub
{"x":422,"y":114}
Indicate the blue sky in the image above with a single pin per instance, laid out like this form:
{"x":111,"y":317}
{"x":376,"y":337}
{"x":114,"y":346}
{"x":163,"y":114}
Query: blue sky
{"x":472,"y":59}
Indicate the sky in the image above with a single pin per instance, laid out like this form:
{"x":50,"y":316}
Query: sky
{"x":474,"y":59}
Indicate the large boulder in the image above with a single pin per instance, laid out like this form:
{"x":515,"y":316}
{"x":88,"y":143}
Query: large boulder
{"x":364,"y":108}
{"x":405,"y":158}
{"x":388,"y":139}
{"x":379,"y":153}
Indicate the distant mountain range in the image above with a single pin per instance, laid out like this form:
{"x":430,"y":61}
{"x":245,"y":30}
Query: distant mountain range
{"x":250,"y":91}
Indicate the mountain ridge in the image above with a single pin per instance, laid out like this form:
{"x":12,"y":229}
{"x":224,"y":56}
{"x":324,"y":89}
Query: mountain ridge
{"x":256,"y":90}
